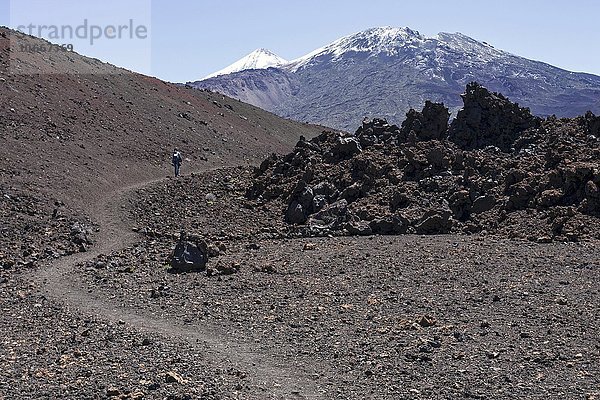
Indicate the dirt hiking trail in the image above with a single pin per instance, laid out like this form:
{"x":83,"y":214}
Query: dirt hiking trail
{"x":270,"y":376}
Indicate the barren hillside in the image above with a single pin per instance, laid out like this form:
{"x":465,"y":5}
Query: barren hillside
{"x":81,"y":133}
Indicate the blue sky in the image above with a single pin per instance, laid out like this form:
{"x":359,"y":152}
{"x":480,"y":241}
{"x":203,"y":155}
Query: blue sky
{"x":190,"y":39}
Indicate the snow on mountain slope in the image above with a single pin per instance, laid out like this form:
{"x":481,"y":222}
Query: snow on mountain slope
{"x":373,"y":41}
{"x":392,"y":42}
{"x":258,"y":59}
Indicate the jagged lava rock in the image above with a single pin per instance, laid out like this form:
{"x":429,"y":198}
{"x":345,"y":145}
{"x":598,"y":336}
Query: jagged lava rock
{"x":489,"y":119}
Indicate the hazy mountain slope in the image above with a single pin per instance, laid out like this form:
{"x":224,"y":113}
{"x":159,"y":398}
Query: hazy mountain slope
{"x":264,"y":88}
{"x":387,"y":71}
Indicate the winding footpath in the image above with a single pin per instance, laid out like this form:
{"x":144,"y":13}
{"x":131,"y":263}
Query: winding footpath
{"x":282,"y":379}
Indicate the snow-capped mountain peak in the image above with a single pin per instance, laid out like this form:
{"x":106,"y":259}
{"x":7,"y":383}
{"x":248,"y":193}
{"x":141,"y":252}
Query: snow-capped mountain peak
{"x":258,"y":59}
{"x":385,"y":40}
{"x":392,"y":42}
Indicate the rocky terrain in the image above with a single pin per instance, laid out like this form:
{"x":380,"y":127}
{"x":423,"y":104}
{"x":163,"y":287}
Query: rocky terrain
{"x":74,"y":133}
{"x":392,"y":263}
{"x":495,"y":170}
{"x":69,"y":137}
{"x":465,"y":308}
{"x":33,"y":230}
{"x":400,"y":316}
{"x":385,"y":71}
{"x":387,"y":317}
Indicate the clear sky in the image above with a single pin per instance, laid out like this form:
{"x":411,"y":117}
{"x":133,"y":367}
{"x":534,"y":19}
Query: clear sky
{"x":189,"y":39}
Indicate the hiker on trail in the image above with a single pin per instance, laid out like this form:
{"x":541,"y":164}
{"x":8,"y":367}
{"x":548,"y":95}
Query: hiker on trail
{"x":177,"y":159}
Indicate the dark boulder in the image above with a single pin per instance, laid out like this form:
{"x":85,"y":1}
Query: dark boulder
{"x":319,"y":202}
{"x":592,"y":123}
{"x":333,"y":216}
{"x":267,"y":163}
{"x":80,"y":235}
{"x":434,"y":222}
{"x":483,"y":204}
{"x":325,"y":189}
{"x":520,"y":196}
{"x":574,"y":179}
{"x":309,"y":145}
{"x":359,"y":228}
{"x":295,"y":214}
{"x":376,"y":131}
{"x":301,"y":204}
{"x":189,"y":256}
{"x":346,"y":147}
{"x":390,"y":225}
{"x":399,"y":200}
{"x":591,"y":202}
{"x":460,"y":204}
{"x":352,"y":192}
{"x":549,"y":198}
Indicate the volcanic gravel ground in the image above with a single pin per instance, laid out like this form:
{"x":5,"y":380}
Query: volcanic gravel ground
{"x":212,"y":204}
{"x":383,"y":317}
{"x":53,"y":351}
{"x":34,"y":228}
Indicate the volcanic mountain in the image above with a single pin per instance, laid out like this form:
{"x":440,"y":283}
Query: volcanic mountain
{"x":387,"y":71}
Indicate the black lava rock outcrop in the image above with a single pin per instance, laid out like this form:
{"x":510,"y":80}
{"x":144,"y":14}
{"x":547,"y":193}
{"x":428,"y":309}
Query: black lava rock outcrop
{"x":376,"y":131}
{"x":489,"y":119}
{"x":500,"y":171}
{"x":592,"y":123}
{"x":430,"y":124}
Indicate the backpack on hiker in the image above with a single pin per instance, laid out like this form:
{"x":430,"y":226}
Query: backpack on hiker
{"x":177,"y":158}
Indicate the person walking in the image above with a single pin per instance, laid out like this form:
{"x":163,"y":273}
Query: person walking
{"x":176,"y":161}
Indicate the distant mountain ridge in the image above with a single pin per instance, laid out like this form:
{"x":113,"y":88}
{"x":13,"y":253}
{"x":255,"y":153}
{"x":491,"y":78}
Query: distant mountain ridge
{"x":387,"y":71}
